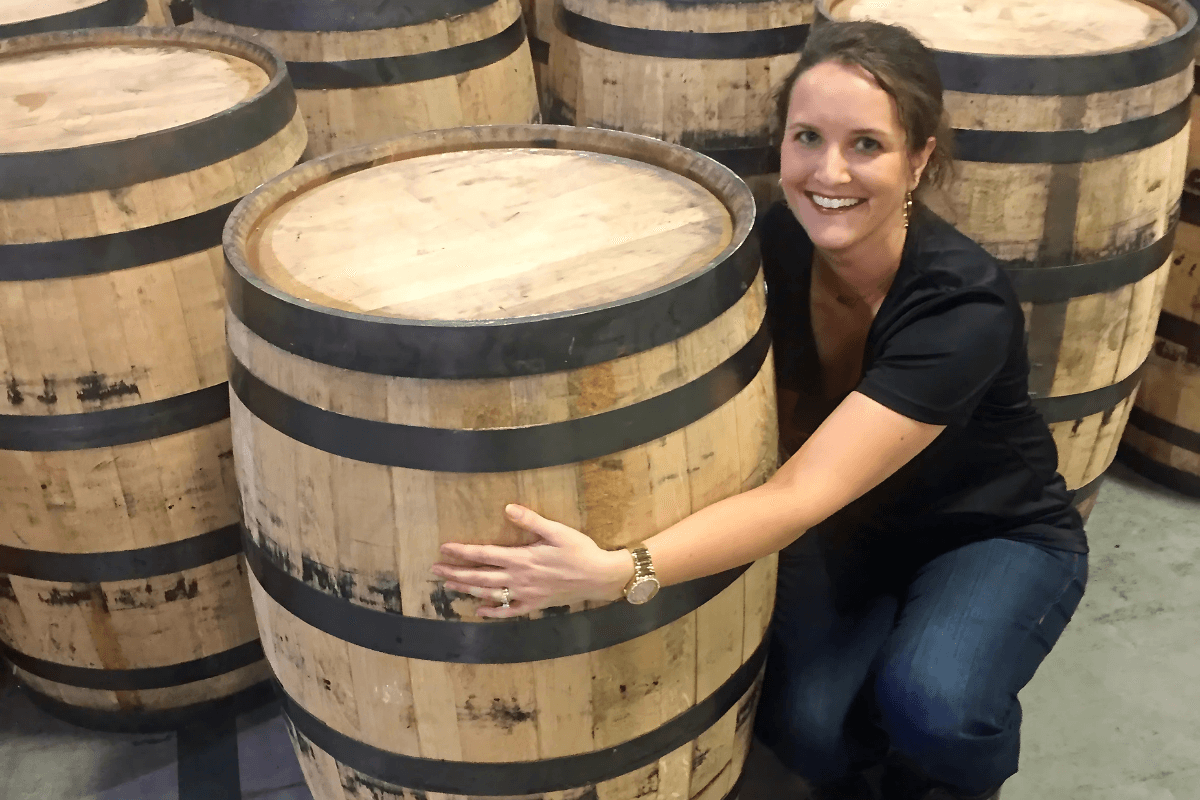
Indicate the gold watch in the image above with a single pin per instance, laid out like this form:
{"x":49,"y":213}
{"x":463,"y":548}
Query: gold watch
{"x":644,"y":584}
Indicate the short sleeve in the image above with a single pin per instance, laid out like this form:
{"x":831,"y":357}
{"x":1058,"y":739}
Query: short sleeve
{"x":937,"y":357}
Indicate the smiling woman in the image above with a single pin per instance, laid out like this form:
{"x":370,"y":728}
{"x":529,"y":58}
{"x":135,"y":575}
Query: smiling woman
{"x":923,"y":529}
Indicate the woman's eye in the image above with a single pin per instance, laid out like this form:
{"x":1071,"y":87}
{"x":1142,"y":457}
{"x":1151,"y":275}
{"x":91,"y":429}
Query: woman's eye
{"x":807,"y":137}
{"x":868,"y":145}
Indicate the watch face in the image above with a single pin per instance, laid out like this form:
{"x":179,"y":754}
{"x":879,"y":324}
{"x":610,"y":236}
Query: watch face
{"x":642,"y":591}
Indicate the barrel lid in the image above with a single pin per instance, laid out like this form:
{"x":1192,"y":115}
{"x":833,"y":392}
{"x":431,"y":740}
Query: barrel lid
{"x":1019,"y":27}
{"x":59,"y":99}
{"x":490,"y":234}
{"x":24,"y":17}
{"x":490,"y":252}
{"x":1040,"y":48}
{"x":106,"y":108}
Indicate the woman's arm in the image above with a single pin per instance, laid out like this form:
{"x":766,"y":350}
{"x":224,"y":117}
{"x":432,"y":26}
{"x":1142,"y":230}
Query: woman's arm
{"x":858,"y":446}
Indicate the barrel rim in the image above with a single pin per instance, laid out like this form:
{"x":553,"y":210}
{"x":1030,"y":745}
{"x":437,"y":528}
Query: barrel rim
{"x":104,"y":13}
{"x":312,"y":331}
{"x":318,"y":17}
{"x":38,"y":173}
{"x":1068,"y":74}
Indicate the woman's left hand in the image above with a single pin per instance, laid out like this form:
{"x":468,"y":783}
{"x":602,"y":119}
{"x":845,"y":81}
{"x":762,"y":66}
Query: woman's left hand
{"x":564,"y":568}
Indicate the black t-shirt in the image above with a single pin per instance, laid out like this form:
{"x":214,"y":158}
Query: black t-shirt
{"x":947,"y":347}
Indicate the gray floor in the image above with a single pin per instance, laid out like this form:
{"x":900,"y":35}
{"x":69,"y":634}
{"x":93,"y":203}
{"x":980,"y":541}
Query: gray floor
{"x":1114,"y":713}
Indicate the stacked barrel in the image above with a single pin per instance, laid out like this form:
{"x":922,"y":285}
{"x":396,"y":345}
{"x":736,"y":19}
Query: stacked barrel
{"x":1071,"y":133}
{"x":395,"y":385}
{"x":366,"y":70}
{"x":123,"y":597}
{"x":701,"y":74}
{"x":1162,"y":440}
{"x":25,"y":17}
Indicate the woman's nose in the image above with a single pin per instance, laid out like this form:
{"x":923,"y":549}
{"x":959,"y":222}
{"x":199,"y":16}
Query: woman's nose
{"x":833,"y":168}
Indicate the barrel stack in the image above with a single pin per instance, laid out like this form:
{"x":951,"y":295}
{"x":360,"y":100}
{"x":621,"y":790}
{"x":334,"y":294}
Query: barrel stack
{"x":1162,"y":441}
{"x":1071,"y":133}
{"x":700,"y":74}
{"x":123,"y":597}
{"x":366,"y":70}
{"x":396,"y":385}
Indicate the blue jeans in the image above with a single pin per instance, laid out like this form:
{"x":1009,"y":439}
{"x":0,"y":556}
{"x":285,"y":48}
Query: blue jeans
{"x":871,"y":656}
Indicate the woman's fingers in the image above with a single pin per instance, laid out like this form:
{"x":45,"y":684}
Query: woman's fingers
{"x":551,"y":532}
{"x":484,"y":554}
{"x":467,"y":576}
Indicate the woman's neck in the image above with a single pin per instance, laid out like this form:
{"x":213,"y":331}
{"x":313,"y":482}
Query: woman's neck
{"x":864,"y":273}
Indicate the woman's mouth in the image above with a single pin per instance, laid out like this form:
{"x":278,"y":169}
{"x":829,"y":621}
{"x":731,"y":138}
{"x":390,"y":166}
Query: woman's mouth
{"x":827,"y":203}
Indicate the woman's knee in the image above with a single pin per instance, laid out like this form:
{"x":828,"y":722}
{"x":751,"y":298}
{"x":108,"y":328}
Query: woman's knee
{"x":805,"y":730}
{"x":922,"y":711}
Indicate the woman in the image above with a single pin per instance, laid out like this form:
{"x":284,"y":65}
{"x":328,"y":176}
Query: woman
{"x":930,"y":556}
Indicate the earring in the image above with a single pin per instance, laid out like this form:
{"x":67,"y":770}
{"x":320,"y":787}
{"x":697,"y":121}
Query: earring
{"x":907,"y":210}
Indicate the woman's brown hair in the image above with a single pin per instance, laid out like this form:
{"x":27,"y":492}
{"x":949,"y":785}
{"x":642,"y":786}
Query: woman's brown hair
{"x":902,"y":66}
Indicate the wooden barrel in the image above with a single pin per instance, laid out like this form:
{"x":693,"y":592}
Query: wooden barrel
{"x":27,"y":17}
{"x":123,"y":600}
{"x":1071,"y":133}
{"x":539,"y":21}
{"x":428,"y":329}
{"x":702,"y":74}
{"x":366,"y":70}
{"x":1162,"y":440}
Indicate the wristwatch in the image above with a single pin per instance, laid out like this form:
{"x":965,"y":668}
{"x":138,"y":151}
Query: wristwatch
{"x":644,"y":584}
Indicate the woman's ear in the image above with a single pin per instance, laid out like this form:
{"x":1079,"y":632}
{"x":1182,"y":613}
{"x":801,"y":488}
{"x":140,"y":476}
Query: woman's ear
{"x":920,"y":160}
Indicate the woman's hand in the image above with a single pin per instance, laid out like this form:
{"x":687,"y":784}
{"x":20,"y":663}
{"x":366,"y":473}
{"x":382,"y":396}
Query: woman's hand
{"x":565,"y":567}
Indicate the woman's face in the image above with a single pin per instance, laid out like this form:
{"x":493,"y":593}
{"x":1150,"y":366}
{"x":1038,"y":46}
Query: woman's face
{"x":846,"y":168}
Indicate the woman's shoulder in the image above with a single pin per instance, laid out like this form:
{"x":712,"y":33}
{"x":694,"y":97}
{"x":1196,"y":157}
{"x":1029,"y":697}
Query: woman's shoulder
{"x":941,"y":256}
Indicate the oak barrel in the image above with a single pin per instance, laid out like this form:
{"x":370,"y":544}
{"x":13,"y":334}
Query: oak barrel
{"x":123,"y":599}
{"x":366,"y":70}
{"x":1162,"y":440}
{"x":1071,"y":123}
{"x":427,"y":329}
{"x":27,"y":17}
{"x":701,"y":74}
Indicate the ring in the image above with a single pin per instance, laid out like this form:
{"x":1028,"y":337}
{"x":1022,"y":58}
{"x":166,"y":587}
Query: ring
{"x":505,"y":597}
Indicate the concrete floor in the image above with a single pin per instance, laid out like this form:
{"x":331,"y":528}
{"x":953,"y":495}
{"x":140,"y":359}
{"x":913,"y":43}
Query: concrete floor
{"x":1114,"y":713}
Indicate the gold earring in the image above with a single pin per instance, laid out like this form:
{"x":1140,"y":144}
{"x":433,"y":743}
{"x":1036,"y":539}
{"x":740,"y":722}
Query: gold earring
{"x":907,"y":210}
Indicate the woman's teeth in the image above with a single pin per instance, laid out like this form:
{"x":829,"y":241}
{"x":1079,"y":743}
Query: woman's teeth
{"x":835,"y":203}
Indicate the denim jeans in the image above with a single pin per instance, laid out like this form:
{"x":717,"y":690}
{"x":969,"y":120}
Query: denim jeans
{"x":870,"y":655}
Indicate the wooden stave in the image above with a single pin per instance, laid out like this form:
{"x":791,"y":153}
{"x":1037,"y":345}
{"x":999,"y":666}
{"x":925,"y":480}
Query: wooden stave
{"x":272,"y":615}
{"x":751,"y":149}
{"x":1168,"y":91}
{"x":160,"y":689}
{"x":1162,"y":440}
{"x":502,"y":51}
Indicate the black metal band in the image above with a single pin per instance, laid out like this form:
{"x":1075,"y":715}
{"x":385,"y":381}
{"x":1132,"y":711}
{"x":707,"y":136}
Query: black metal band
{"x":141,"y":721}
{"x":72,"y":258}
{"x":369,"y":72}
{"x":501,"y":449}
{"x":1189,"y":208}
{"x":527,"y":777}
{"x":152,"y":156}
{"x":1162,"y":429}
{"x":105,"y":14}
{"x":1175,"y":328}
{"x":1068,"y":407}
{"x":500,"y":642}
{"x":1068,"y":74}
{"x":1058,"y":284}
{"x":1171,"y":477}
{"x":342,"y":15}
{"x":134,"y":680}
{"x":122,"y":565}
{"x":496,"y":349}
{"x":539,"y":49}
{"x":682,"y":44}
{"x":1087,"y":491}
{"x":1071,"y":146}
{"x":115,"y":426}
{"x":747,"y":160}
